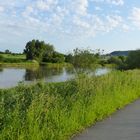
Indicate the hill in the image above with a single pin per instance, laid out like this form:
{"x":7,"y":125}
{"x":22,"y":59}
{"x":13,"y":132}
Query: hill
{"x":120,"y":53}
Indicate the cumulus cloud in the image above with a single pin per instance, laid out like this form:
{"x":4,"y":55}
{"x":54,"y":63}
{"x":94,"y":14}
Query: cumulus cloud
{"x":1,"y":9}
{"x":80,"y":6}
{"x":114,"y":21}
{"x":45,"y":4}
{"x":135,"y":16}
{"x":59,"y":16}
{"x":116,"y":2}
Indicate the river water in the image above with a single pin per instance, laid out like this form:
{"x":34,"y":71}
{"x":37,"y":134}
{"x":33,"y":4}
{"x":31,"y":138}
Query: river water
{"x":10,"y":77}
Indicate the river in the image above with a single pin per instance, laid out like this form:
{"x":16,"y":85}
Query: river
{"x":10,"y":77}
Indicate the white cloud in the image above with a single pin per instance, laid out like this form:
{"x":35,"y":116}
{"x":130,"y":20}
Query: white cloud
{"x":135,"y":16}
{"x":29,"y":10}
{"x":58,"y":16}
{"x":80,"y":23}
{"x":1,"y":9}
{"x":125,"y":27}
{"x":116,"y":2}
{"x":114,"y":20}
{"x":45,"y":4}
{"x":80,"y":6}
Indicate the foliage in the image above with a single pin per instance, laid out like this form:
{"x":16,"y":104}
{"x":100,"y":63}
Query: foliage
{"x":58,"y":110}
{"x":83,"y":58}
{"x":7,"y":51}
{"x":114,"y":60}
{"x":133,"y":60}
{"x":1,"y":58}
{"x":42,"y":52}
{"x":68,"y":58}
{"x":36,"y":50}
{"x":119,"y":61}
{"x":55,"y":57}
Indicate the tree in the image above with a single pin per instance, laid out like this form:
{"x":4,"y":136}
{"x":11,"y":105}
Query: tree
{"x":7,"y":51}
{"x":37,"y":50}
{"x":58,"y":58}
{"x":84,"y":59}
{"x":133,"y":59}
{"x":48,"y":56}
{"x":54,"y":57}
{"x":69,"y":58}
{"x":115,"y":60}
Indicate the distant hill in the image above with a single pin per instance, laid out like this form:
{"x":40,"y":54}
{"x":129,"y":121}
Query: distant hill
{"x":120,"y":53}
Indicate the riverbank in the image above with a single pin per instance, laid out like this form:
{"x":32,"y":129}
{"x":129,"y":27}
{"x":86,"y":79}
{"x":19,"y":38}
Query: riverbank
{"x":56,"y":111}
{"x":20,"y":65}
{"x":19,"y":60}
{"x":32,"y":64}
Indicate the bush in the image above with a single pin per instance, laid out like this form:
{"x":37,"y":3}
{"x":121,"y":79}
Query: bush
{"x":133,"y":60}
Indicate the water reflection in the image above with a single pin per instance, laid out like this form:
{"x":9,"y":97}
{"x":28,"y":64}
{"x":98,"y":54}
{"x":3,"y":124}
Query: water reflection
{"x":1,"y":69}
{"x":10,"y":77}
{"x":41,"y":73}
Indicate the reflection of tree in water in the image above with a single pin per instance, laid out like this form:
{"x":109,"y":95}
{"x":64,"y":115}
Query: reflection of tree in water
{"x":41,"y":73}
{"x":1,"y":69}
{"x":70,"y":70}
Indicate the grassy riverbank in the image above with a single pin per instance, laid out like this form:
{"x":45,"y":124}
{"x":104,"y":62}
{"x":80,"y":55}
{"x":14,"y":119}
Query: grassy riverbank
{"x":19,"y":60}
{"x":16,"y":60}
{"x":59,"y":110}
{"x":20,"y":65}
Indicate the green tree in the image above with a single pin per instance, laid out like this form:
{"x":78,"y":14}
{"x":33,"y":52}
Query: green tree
{"x":58,"y":57}
{"x":68,"y":58}
{"x":37,"y":50}
{"x":7,"y":51}
{"x":133,"y":59}
{"x":84,"y":58}
{"x":48,"y":56}
{"x":115,"y":60}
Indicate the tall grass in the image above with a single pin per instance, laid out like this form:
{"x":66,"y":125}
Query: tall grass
{"x":59,"y":110}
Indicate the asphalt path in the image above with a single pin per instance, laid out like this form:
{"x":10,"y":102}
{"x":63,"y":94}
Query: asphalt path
{"x":122,"y":125}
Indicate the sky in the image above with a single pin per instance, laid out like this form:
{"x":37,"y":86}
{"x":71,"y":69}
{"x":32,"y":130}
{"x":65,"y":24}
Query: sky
{"x":107,"y":25}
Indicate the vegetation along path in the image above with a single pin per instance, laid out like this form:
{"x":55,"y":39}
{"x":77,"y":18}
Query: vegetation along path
{"x":123,"y":125}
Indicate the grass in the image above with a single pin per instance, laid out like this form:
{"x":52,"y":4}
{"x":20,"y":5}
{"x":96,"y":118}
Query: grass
{"x":57,"y":65}
{"x":11,"y":56}
{"x":19,"y":60}
{"x":16,"y":60}
{"x":27,"y":64}
{"x":57,"y":111}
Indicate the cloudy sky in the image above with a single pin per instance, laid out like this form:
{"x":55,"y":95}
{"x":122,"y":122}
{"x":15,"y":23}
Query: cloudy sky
{"x":67,"y":24}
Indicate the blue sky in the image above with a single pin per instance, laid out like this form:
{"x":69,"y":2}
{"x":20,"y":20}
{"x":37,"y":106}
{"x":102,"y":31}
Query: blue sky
{"x":96,"y":24}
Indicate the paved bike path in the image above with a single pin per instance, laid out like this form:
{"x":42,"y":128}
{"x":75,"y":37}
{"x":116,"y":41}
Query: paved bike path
{"x":122,"y":125}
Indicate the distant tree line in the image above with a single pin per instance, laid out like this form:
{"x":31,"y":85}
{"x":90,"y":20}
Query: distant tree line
{"x":132,"y":61}
{"x":84,"y":58}
{"x":45,"y":52}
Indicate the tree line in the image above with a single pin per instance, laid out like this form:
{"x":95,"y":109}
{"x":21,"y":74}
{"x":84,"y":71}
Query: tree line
{"x":45,"y":52}
{"x":132,"y":61}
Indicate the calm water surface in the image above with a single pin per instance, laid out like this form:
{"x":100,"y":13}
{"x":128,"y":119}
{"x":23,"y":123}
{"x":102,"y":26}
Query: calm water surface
{"x":10,"y":77}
